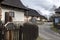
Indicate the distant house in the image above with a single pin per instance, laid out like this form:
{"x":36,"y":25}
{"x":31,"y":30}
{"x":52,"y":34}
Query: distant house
{"x":56,"y":15}
{"x":34,"y":13}
{"x":15,"y":9}
{"x":56,"y":18}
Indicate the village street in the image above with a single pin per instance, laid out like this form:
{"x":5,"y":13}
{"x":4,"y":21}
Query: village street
{"x":47,"y":33}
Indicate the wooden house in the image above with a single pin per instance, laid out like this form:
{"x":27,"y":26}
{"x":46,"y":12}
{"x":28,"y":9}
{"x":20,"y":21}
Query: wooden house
{"x":56,"y":18}
{"x":13,"y":8}
{"x":34,"y":13}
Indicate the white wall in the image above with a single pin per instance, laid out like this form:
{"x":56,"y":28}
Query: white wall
{"x":19,"y":15}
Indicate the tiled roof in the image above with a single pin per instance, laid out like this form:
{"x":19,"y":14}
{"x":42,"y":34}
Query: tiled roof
{"x":32,"y":12}
{"x":14,"y":3}
{"x":57,"y":10}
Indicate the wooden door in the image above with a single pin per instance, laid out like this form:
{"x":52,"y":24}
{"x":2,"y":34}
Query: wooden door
{"x":6,"y":17}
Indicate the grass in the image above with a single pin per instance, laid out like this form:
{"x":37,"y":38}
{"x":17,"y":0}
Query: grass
{"x":54,"y":29}
{"x":39,"y":38}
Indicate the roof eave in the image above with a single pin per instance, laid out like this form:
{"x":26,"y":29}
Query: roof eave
{"x":15,"y":7}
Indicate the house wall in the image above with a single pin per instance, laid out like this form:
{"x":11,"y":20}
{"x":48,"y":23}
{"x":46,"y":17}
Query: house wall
{"x":27,"y":19}
{"x":19,"y":15}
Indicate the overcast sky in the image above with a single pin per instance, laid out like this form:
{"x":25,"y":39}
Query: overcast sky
{"x":44,"y":7}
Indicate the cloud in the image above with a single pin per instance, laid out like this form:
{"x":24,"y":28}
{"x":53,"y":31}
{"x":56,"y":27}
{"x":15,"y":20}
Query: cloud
{"x":46,"y":7}
{"x":43,"y":3}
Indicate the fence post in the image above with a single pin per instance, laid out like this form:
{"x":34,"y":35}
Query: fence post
{"x":20,"y":33}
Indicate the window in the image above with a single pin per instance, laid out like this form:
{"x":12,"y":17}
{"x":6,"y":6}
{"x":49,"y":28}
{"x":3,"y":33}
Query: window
{"x":57,"y":20}
{"x":12,"y":14}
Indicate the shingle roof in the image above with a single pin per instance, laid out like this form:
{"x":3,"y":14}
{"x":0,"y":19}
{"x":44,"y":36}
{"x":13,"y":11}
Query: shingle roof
{"x":57,"y":10}
{"x":32,"y":12}
{"x":14,"y":3}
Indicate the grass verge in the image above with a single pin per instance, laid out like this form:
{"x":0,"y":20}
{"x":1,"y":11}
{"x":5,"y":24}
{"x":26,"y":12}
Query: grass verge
{"x":39,"y":38}
{"x":54,"y":29}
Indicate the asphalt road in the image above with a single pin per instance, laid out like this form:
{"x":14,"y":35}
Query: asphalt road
{"x":47,"y":33}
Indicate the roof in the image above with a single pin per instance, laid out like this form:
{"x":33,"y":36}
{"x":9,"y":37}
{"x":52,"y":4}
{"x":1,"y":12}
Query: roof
{"x":14,"y":3}
{"x":57,"y":10}
{"x":32,"y":12}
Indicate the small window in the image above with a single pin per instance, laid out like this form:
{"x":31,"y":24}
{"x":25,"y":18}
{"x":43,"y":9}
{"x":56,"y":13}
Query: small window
{"x":12,"y":14}
{"x":57,"y":20}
